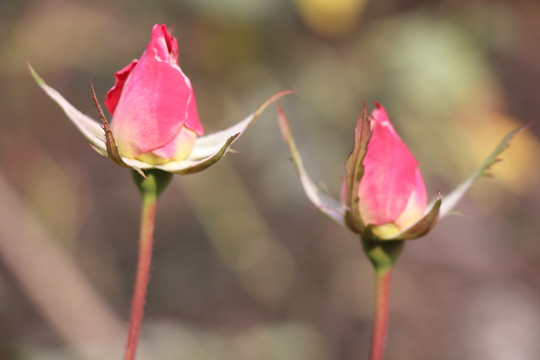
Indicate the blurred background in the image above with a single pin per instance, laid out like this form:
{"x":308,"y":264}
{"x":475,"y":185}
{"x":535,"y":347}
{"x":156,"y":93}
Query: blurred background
{"x":244,"y":267}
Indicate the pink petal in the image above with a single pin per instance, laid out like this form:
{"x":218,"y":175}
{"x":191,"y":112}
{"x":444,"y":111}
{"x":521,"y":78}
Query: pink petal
{"x":165,"y":45}
{"x":416,"y":205}
{"x":179,"y":148}
{"x":112,"y":97}
{"x":391,"y":175}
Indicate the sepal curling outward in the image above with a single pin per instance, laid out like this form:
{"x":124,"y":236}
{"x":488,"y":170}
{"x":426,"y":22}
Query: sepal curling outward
{"x":370,"y":170}
{"x":354,"y":171}
{"x":414,"y":231}
{"x":455,"y":196}
{"x":110,"y":142}
{"x":207,"y":150}
{"x":322,"y":201}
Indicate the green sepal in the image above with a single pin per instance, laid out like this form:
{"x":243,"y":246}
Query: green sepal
{"x":112,"y":150}
{"x":453,"y":198}
{"x":382,"y":254}
{"x":86,"y":125}
{"x":354,"y":170}
{"x":153,"y":183}
{"x":416,"y":230}
{"x":202,"y":165}
{"x":322,"y":201}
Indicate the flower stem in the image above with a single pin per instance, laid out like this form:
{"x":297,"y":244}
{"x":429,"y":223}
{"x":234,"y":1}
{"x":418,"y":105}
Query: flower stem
{"x":380,"y":321}
{"x":143,"y":274}
{"x":150,"y":187}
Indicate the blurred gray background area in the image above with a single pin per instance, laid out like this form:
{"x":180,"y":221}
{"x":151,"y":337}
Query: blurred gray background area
{"x":244,"y":267}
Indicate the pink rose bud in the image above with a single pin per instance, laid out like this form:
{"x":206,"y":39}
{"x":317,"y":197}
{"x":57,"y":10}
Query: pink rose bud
{"x":383,"y":195}
{"x":392,"y":194}
{"x":154,"y":110}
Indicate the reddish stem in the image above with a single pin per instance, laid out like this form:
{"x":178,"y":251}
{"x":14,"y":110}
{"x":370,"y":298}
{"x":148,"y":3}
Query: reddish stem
{"x":143,"y":275}
{"x":380,"y":322}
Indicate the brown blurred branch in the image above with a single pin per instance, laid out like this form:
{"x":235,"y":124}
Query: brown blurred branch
{"x":53,"y":282}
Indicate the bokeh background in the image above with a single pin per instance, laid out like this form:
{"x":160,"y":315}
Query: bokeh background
{"x":244,"y":267}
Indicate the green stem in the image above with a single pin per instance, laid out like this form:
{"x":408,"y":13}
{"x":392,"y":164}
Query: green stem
{"x":380,"y":321}
{"x":150,"y":188}
{"x":143,"y":275}
{"x":383,"y":255}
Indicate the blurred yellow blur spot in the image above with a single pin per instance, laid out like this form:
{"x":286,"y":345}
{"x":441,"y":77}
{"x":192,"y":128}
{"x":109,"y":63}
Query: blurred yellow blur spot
{"x":331,"y":17}
{"x":519,"y":169}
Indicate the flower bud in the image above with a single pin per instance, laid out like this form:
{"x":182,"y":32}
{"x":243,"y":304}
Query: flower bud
{"x":155,"y":117}
{"x":391,"y":193}
{"x":383,"y":197}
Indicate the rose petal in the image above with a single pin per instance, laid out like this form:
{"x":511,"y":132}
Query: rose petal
{"x":112,"y":97}
{"x":390,"y":175}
